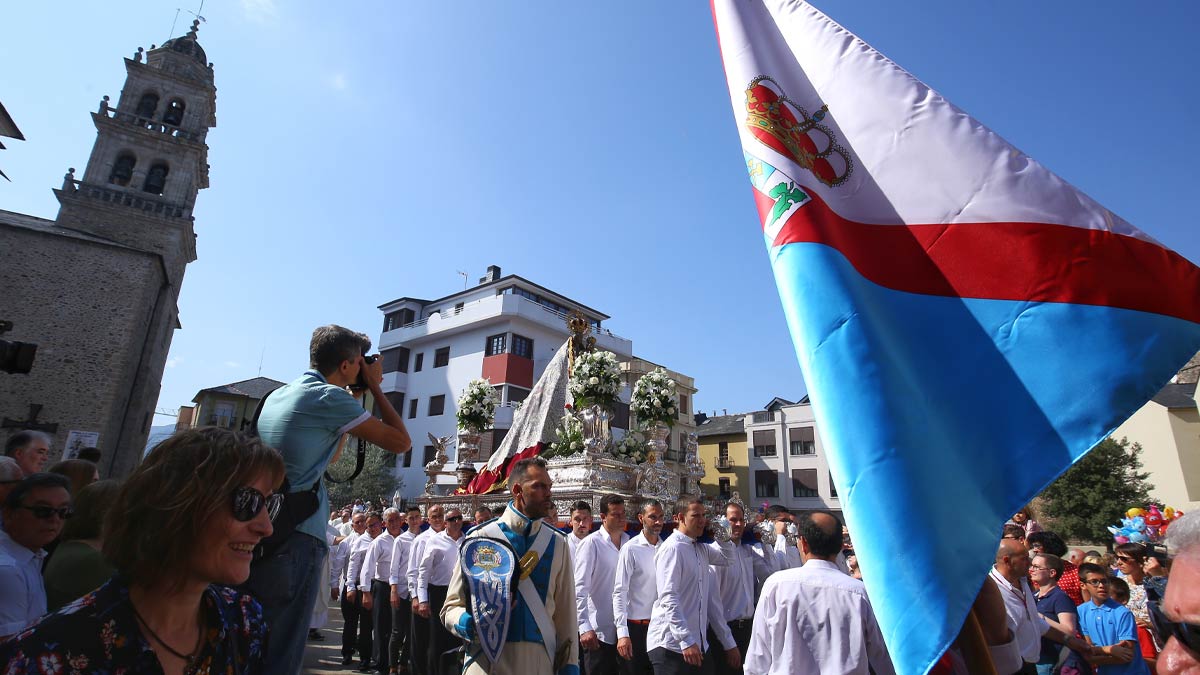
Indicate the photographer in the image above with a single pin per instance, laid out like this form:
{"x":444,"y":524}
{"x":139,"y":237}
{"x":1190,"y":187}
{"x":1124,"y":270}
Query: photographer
{"x":305,"y":421}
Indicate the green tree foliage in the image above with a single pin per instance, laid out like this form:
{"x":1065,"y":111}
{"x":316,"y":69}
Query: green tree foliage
{"x":376,"y":481}
{"x":1096,"y":492}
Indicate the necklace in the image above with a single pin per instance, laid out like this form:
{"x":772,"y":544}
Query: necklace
{"x":187,"y":658}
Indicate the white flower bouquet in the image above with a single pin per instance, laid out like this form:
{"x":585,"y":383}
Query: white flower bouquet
{"x":654,"y":398}
{"x":595,"y":379}
{"x":477,"y":406}
{"x":632,"y":448}
{"x":568,"y":436}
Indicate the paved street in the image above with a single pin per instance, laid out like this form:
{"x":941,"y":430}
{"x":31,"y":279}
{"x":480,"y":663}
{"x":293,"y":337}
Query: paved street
{"x":322,"y":658}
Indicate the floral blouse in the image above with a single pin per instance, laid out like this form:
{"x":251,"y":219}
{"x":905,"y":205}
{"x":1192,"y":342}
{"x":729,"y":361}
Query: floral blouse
{"x":98,"y":634}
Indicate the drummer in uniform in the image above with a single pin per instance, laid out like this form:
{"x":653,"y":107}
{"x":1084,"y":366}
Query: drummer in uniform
{"x":512,"y":596}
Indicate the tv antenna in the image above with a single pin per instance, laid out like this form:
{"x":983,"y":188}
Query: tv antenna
{"x":464,"y":276}
{"x":195,"y":14}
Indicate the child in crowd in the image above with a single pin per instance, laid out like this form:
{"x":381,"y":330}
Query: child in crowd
{"x":1109,"y":625}
{"x":1120,"y":593}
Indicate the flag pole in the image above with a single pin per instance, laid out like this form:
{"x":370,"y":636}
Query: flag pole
{"x":974,"y":647}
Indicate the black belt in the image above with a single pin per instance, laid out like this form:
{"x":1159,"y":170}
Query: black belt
{"x":741,"y":623}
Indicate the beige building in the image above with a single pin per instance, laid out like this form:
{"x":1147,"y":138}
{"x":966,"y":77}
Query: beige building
{"x":632,"y":369}
{"x":725,"y":453}
{"x":1168,"y":429}
{"x":229,"y":406}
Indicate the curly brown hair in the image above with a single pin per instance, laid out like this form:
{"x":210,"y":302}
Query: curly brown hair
{"x":165,"y":504}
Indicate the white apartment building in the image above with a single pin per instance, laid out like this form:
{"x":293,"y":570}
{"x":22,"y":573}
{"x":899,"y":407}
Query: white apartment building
{"x":505,"y":329}
{"x":788,"y":464}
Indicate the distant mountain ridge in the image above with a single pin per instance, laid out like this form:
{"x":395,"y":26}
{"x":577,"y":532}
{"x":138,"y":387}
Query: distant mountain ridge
{"x":157,"y":435}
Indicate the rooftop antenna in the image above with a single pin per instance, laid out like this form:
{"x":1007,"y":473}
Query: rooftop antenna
{"x":195,"y":14}
{"x":260,"y":360}
{"x":464,"y":276}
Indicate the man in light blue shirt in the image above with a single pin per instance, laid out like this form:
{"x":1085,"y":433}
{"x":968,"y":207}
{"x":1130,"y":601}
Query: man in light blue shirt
{"x":305,"y":421}
{"x":34,"y":514}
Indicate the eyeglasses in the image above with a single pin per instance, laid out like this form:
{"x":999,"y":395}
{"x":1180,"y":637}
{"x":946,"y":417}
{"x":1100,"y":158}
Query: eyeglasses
{"x":1096,"y":582}
{"x":454,"y":519}
{"x":248,"y":502}
{"x":46,"y":512}
{"x":1188,"y":634}
{"x":1009,"y":536}
{"x":1038,"y":568}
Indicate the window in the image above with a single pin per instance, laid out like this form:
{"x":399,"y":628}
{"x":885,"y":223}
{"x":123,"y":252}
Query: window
{"x":408,"y":458}
{"x":441,"y":358}
{"x":495,"y":345}
{"x":396,"y":399}
{"x":620,"y":415}
{"x":420,"y":361}
{"x":156,"y":179}
{"x":522,"y":346}
{"x":398,"y":318}
{"x":764,"y":443}
{"x":395,"y":359}
{"x":437,"y":405}
{"x":458,"y":307}
{"x":801,"y":441}
{"x":430,"y":453}
{"x":804,"y":483}
{"x":412,"y":408}
{"x":722,"y":454}
{"x":147,"y":105}
{"x":517,"y":394}
{"x":723,"y":487}
{"x":765,"y":416}
{"x":122,"y":170}
{"x":683,"y":405}
{"x":832,"y":487}
{"x":766,"y":484}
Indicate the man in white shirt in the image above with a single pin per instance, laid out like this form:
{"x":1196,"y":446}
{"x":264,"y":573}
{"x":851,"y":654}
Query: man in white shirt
{"x":815,"y":619}
{"x":679,"y":619}
{"x":737,"y":586}
{"x":634,"y":590}
{"x":400,"y":655}
{"x":581,"y":525}
{"x":595,"y":568}
{"x":358,"y":587}
{"x":375,"y":573}
{"x":351,"y":604}
{"x":433,"y":578}
{"x":1011,"y":576}
{"x":419,"y":633}
{"x":34,"y":514}
{"x":787,"y":555}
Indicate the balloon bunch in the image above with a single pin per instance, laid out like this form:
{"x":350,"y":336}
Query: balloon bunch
{"x":1144,"y":526}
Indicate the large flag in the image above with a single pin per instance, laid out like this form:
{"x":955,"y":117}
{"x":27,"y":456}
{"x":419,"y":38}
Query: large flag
{"x":968,"y":324}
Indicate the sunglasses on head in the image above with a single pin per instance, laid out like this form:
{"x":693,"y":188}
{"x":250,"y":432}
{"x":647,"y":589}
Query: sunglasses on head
{"x":248,"y":502}
{"x":1188,"y":634}
{"x":46,"y":512}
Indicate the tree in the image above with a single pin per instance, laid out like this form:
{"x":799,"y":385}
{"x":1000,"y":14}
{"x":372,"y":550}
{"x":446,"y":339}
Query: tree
{"x":1096,"y":492}
{"x":376,"y":481}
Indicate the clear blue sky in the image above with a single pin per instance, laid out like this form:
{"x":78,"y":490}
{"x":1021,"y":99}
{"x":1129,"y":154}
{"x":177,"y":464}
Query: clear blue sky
{"x":368,"y":150}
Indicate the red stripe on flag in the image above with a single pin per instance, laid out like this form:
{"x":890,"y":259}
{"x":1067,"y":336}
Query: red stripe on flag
{"x":1033,"y":262}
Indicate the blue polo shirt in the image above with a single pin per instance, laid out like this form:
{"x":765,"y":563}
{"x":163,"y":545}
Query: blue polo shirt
{"x":303,"y":420}
{"x":1109,"y":624}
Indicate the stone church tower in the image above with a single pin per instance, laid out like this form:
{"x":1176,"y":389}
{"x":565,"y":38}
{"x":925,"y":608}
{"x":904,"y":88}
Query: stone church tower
{"x":96,"y":288}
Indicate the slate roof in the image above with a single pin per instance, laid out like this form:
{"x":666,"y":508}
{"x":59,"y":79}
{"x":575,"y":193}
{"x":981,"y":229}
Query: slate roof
{"x":722,"y":425}
{"x":255,"y":387}
{"x":1176,"y":396}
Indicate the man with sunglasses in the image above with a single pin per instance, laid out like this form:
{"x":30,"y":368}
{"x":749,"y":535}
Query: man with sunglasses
{"x":34,"y":513}
{"x":1109,"y":627}
{"x":1178,"y":619}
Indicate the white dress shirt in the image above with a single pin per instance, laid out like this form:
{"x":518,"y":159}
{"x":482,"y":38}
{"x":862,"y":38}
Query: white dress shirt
{"x":437,"y":563}
{"x":414,"y":558}
{"x":738,"y":582}
{"x":340,"y":559}
{"x":573,"y":542}
{"x":22,"y":592}
{"x":354,"y":566}
{"x":398,"y":571}
{"x":679,"y":618}
{"x":1022,"y":609}
{"x":378,"y":560}
{"x":595,"y":570}
{"x":716,"y":616}
{"x":634,"y":590}
{"x":816,"y":620}
{"x":787,"y":555}
{"x":346,"y":528}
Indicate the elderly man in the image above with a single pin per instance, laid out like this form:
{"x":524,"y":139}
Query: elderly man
{"x":1011,"y":576}
{"x":34,"y":513}
{"x":418,"y":636}
{"x":433,"y":580}
{"x":376,"y":567}
{"x":634,"y":589}
{"x":815,"y":618}
{"x":30,"y":450}
{"x":595,"y":569}
{"x":1178,"y":622}
{"x":531,"y":630}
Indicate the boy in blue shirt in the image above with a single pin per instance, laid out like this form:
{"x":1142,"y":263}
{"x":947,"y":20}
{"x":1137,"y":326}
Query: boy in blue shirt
{"x":1109,"y":626}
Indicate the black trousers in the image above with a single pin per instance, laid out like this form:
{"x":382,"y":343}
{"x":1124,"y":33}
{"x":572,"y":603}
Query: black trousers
{"x":350,"y":615}
{"x":399,"y":652}
{"x":741,"y":630}
{"x":605,"y":661}
{"x":667,"y":662}
{"x":440,"y":639}
{"x":381,"y":616}
{"x":418,"y":638}
{"x":641,"y":660}
{"x":365,"y":623}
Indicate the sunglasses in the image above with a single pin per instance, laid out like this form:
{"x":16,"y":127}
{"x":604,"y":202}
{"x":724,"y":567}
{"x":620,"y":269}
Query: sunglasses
{"x":248,"y":503}
{"x":453,"y":519}
{"x":47,"y":512}
{"x":1188,"y":634}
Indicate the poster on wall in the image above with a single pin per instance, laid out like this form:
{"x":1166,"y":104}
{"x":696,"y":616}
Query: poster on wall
{"x":78,"y":440}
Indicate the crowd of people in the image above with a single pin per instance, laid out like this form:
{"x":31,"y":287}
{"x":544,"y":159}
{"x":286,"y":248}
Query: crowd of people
{"x":220,"y":554}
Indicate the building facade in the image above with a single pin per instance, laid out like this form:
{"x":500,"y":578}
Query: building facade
{"x":787,"y":460}
{"x":725,"y":453}
{"x":228,"y":406}
{"x":1168,"y":429}
{"x":96,"y":288}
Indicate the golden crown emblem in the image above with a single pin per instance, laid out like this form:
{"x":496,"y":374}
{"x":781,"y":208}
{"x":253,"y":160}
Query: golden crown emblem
{"x":782,"y":125}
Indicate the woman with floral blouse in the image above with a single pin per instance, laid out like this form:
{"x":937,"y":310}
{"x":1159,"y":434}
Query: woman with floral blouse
{"x":182,"y":532}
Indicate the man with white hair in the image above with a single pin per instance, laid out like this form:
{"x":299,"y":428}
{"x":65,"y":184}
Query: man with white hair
{"x":10,"y":475}
{"x":1178,"y":620}
{"x":30,"y":450}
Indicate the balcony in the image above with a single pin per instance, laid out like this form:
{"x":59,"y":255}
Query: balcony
{"x":723,"y":463}
{"x":222,"y":421}
{"x":394,"y":381}
{"x":764,"y":416}
{"x":117,"y":196}
{"x":153,"y":126}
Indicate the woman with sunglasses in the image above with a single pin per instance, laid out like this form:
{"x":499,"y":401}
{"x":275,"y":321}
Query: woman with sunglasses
{"x":184,"y":530}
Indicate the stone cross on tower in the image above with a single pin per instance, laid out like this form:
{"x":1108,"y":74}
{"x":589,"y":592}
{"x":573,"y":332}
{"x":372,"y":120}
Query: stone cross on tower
{"x":31,"y":424}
